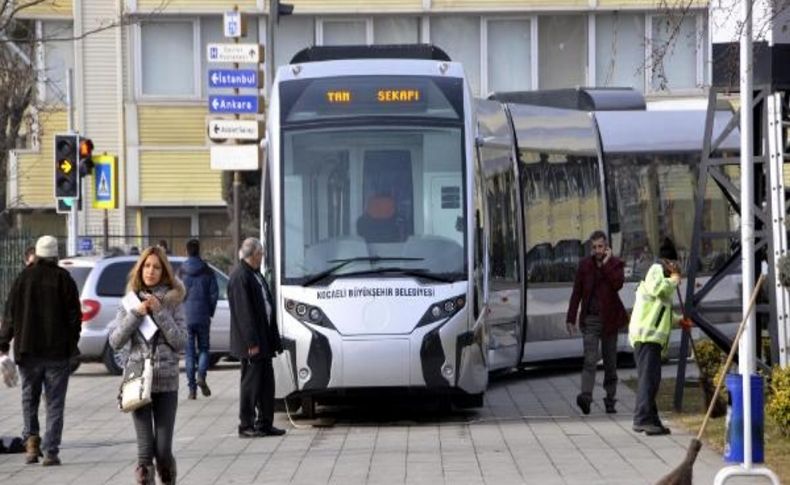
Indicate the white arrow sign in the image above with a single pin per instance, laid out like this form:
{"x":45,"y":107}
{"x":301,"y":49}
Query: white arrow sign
{"x":235,"y":157}
{"x":241,"y":53}
{"x":233,"y":129}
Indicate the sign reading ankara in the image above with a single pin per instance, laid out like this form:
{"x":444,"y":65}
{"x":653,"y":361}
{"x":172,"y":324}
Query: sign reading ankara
{"x":232,"y":78}
{"x":233,"y":104}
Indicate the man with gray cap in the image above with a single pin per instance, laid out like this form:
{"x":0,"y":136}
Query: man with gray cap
{"x":43,"y":318}
{"x":254,"y":340}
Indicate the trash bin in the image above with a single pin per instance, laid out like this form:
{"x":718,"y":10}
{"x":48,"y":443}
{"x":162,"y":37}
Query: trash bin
{"x":733,"y":447}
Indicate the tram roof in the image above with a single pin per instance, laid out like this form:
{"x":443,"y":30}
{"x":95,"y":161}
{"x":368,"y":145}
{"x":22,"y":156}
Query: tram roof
{"x":550,"y":130}
{"x":370,"y":67}
{"x":661,"y":131}
{"x":376,"y":51}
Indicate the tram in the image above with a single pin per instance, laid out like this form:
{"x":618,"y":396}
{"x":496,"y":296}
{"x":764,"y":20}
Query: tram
{"x":420,"y":238}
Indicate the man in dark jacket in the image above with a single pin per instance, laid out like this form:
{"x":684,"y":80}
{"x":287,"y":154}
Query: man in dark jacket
{"x":43,"y":318}
{"x":254,"y":339}
{"x":199,"y":306}
{"x":600,"y":314}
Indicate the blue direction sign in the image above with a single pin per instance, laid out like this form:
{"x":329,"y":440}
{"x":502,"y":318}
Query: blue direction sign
{"x":232,"y":78}
{"x":86,"y":244}
{"x":233,"y":104}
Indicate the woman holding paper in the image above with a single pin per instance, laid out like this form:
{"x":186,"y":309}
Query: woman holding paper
{"x":155,"y":296}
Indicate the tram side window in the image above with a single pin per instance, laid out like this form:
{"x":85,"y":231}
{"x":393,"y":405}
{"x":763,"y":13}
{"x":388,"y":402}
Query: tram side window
{"x":501,"y":205}
{"x":562,"y":207}
{"x":651,"y":197}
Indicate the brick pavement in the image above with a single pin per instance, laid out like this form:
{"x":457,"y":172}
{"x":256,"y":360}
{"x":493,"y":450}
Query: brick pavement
{"x":528,"y":432}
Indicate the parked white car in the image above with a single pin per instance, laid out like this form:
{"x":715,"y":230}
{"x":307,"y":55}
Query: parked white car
{"x":102,"y":284}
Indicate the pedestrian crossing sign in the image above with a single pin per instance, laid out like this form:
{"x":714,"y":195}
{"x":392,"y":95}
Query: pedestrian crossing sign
{"x":105,"y":183}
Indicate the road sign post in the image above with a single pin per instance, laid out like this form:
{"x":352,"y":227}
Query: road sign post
{"x":232,"y":153}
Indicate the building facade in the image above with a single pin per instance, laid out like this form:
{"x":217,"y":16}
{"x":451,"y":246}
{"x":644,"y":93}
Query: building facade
{"x":141,"y":87}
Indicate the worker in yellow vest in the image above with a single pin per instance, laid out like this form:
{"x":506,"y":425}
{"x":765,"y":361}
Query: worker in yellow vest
{"x":648,"y":331}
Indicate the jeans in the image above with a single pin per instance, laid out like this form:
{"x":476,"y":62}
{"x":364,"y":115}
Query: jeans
{"x":648,"y":366}
{"x":196,"y":335}
{"x":53,"y":376}
{"x":593,"y":338}
{"x":154,"y":425}
{"x":256,"y":393}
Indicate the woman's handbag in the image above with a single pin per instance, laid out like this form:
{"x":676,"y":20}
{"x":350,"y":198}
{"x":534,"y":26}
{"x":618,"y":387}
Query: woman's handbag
{"x":135,"y":391}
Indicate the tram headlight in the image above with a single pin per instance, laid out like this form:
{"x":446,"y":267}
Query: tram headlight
{"x":315,"y":314}
{"x":307,"y":314}
{"x":436,"y":312}
{"x":442,"y":310}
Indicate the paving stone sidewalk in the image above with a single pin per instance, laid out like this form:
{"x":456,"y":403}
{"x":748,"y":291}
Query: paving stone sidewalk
{"x":529,"y":431}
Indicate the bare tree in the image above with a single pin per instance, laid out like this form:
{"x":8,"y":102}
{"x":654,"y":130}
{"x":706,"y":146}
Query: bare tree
{"x":21,"y":75}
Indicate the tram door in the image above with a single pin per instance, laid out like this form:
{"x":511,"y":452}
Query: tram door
{"x":505,"y":302}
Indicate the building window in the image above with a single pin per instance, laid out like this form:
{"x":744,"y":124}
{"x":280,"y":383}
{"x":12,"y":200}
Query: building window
{"x":673,"y":52}
{"x":294,"y":34}
{"x":344,"y":32}
{"x":459,"y":37}
{"x":172,"y":56}
{"x":562,"y":51}
{"x":168,"y":59}
{"x":58,"y":57}
{"x":396,"y":30}
{"x":509,"y":55}
{"x":620,"y":50}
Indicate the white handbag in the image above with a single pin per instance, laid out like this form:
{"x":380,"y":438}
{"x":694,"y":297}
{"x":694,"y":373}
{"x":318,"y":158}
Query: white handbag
{"x":135,"y":389}
{"x":138,"y":377}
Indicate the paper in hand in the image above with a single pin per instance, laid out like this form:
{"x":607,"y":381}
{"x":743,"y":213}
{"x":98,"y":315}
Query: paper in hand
{"x":148,"y":328}
{"x":8,"y":371}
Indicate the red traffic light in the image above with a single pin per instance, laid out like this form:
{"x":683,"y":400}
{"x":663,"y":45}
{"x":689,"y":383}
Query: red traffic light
{"x":86,"y":148}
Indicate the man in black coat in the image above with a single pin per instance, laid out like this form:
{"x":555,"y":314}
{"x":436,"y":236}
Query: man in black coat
{"x":255,"y":340}
{"x":43,"y":318}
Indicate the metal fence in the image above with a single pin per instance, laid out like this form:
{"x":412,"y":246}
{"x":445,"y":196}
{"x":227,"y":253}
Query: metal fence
{"x":12,"y":261}
{"x":217,"y":250}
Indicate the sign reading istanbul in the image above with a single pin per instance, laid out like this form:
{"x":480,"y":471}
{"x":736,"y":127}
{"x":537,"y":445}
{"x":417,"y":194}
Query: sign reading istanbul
{"x":241,"y":53}
{"x":232,"y":78}
{"x":234,"y":129}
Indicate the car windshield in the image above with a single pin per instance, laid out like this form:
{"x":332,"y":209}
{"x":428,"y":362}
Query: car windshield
{"x":371,"y":194}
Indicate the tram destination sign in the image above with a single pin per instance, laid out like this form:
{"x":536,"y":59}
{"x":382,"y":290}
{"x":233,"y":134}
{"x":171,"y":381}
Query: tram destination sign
{"x":229,"y":104}
{"x":234,"y":130}
{"x":241,"y":53}
{"x":232,"y":78}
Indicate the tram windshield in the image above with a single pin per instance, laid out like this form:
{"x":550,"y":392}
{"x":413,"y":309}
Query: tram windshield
{"x":376,"y":199}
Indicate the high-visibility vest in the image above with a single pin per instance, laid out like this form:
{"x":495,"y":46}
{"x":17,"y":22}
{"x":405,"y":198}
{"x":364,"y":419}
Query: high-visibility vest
{"x":652,"y":316}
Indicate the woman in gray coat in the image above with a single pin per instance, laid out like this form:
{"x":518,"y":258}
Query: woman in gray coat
{"x":161,"y":295}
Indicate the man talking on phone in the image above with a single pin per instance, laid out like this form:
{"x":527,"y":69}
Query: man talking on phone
{"x":597,"y":309}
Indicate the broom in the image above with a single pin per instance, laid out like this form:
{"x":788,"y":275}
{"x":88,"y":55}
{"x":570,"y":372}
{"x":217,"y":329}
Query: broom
{"x":682,"y":474}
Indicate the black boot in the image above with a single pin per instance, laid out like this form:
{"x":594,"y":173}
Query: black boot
{"x":167,"y":474}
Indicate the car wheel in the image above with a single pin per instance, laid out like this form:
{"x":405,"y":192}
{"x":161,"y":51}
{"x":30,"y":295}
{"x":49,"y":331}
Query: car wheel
{"x":112,"y":361}
{"x":74,"y":364}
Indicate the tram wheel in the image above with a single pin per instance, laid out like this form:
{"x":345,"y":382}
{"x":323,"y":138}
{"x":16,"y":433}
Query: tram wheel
{"x":467,"y":401}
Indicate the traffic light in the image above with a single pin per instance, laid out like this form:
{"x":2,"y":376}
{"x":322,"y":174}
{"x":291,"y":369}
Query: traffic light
{"x":67,"y":180}
{"x":277,"y":10}
{"x":86,"y":156}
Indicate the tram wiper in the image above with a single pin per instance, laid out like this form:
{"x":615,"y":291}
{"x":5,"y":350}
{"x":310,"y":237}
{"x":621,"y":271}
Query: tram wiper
{"x":342,"y":263}
{"x":414,"y":272}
